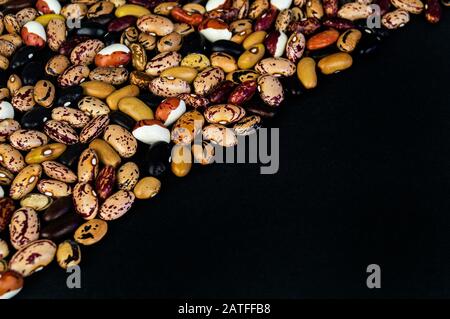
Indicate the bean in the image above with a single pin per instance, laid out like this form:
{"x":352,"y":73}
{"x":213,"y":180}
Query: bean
{"x":120,"y":24}
{"x":94,"y":128}
{"x":135,"y":108}
{"x":85,"y":52}
{"x":170,"y":42}
{"x":24,"y":99}
{"x":14,"y":84}
{"x":243,"y":92}
{"x":25,"y":140}
{"x":85,"y":200}
{"x":256,"y":37}
{"x":433,"y":11}
{"x":6,"y":177}
{"x":113,"y":99}
{"x":110,"y":75}
{"x":7,"y":208}
{"x":221,"y":92}
{"x":117,"y":205}
{"x":44,"y":93}
{"x":74,"y":117}
{"x":38,"y":202}
{"x":147,"y":188}
{"x":53,"y":188}
{"x":88,"y":166}
{"x":11,"y":159}
{"x":151,"y":131}
{"x":184,"y":73}
{"x":207,"y":80}
{"x":23,"y":227}
{"x":197,"y":61}
{"x":68,"y":254}
{"x":306,"y":27}
{"x":74,"y":75}
{"x":70,"y":96}
{"x":322,"y":40}
{"x":240,"y":76}
{"x":121,"y":140}
{"x":70,"y":156}
{"x":354,"y":11}
{"x":63,"y":227}
{"x":61,"y":132}
{"x":33,"y":257}
{"x":155,"y":24}
{"x":131,"y":10}
{"x":3,"y":268}
{"x":395,"y":19}
{"x":115,"y":55}
{"x":106,"y":154}
{"x":225,"y":61}
{"x":306,"y":72}
{"x":339,"y":23}
{"x":105,"y":181}
{"x":194,"y":101}
{"x":275,"y":66}
{"x":348,"y":40}
{"x":186,"y":127}
{"x":4,"y":249}
{"x":412,"y":6}
{"x":91,"y":232}
{"x":314,"y":9}
{"x":58,"y":208}
{"x":93,"y":106}
{"x":56,"y":30}
{"x":270,"y":90}
{"x":224,"y":113}
{"x":25,"y":181}
{"x":335,"y":63}
{"x":248,"y":125}
{"x":140,"y":79}
{"x":128,"y":176}
{"x":220,"y":135}
{"x":228,"y":47}
{"x":58,"y":171}
{"x":139,"y":56}
{"x":169,"y":86}
{"x":181,"y":160}
{"x":251,"y":56}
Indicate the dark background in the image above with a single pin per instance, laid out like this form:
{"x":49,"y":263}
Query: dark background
{"x":364,"y":178}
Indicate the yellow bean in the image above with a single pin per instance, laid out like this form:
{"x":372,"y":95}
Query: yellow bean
{"x":306,"y":72}
{"x":113,"y":99}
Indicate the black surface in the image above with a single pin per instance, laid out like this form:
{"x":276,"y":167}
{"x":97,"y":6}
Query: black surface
{"x":364,"y":178}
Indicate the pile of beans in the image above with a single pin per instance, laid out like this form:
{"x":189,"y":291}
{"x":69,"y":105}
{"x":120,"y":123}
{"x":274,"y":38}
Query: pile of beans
{"x":99,"y":99}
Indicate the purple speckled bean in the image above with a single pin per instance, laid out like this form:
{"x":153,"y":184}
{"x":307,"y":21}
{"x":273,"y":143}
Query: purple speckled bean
{"x":220,"y":93}
{"x":104,"y":184}
{"x":433,"y":11}
{"x":243,"y":92}
{"x":120,"y":24}
{"x":267,"y":19}
{"x":61,"y":132}
{"x":306,"y":27}
{"x":330,"y":7}
{"x":339,"y":23}
{"x":68,"y":45}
